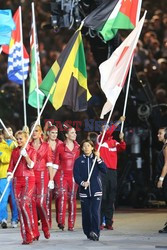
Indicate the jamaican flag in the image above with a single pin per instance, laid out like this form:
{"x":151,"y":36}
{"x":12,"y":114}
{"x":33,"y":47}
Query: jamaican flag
{"x":66,"y":81}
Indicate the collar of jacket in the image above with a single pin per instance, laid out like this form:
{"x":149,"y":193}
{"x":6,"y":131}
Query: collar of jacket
{"x":76,"y":145}
{"x":90,"y":156}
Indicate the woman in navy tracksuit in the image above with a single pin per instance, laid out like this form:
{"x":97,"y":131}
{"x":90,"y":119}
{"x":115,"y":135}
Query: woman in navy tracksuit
{"x":90,"y":192}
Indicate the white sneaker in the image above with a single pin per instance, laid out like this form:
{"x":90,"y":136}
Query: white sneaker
{"x":4,"y":223}
{"x":14,"y":224}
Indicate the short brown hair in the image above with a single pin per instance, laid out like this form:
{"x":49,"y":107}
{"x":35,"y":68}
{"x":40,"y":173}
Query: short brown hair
{"x":88,"y":141}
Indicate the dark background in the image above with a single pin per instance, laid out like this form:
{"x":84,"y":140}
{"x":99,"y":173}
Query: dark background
{"x":147,"y":101}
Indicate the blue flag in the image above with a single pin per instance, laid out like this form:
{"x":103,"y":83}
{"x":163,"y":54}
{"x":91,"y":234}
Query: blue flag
{"x":6,"y":26}
{"x":18,"y":67}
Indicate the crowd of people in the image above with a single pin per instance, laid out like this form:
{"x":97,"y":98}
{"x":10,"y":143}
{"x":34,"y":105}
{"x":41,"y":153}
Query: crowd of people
{"x":39,"y":163}
{"x":49,"y":163}
{"x":150,"y":63}
{"x":39,"y":168}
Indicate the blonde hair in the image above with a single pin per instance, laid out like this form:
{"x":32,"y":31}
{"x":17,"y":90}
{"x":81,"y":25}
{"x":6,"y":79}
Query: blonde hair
{"x":21,"y":132}
{"x":37,"y":125}
{"x":26,"y":129}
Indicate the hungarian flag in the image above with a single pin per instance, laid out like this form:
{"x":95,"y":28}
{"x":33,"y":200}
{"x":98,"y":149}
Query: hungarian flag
{"x":6,"y":26}
{"x":113,"y":71}
{"x":113,"y":15}
{"x":66,"y":81}
{"x":35,"y":95}
{"x":18,"y":64}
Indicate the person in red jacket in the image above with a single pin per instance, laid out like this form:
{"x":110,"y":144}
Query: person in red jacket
{"x":54,"y":142}
{"x":109,"y":153}
{"x":65,"y":186}
{"x":43,"y":162}
{"x":24,"y":184}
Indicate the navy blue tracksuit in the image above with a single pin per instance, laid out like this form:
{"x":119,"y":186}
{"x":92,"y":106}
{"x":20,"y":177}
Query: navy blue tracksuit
{"x":90,"y":197}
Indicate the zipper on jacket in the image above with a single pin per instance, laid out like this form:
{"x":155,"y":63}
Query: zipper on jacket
{"x":88,"y":175}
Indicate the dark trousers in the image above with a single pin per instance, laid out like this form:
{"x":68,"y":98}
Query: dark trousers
{"x":109,"y":182}
{"x":164,"y":188}
{"x":91,"y":215}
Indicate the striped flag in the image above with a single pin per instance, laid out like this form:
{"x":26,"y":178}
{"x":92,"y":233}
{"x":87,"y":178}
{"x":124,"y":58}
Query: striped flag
{"x":66,"y":81}
{"x":114,"y":70}
{"x":35,"y":73}
{"x":15,"y":71}
{"x":110,"y":16}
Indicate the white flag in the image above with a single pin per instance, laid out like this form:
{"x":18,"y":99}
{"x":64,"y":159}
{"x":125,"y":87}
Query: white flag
{"x":113,"y":71}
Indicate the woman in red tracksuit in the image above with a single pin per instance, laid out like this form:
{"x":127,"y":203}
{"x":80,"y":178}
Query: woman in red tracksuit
{"x":44,"y":160}
{"x":66,"y":188}
{"x":54,"y":142}
{"x":24,"y":184}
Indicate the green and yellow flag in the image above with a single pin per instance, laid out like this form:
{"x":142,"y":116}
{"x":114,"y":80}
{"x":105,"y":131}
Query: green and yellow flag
{"x":66,"y":81}
{"x":35,"y":95}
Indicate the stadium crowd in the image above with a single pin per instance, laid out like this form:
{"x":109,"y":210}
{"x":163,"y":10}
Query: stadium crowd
{"x":150,"y":63}
{"x":149,"y":69}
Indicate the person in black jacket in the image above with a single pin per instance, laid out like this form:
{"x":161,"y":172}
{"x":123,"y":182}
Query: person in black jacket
{"x":162,"y":167}
{"x":90,"y":192}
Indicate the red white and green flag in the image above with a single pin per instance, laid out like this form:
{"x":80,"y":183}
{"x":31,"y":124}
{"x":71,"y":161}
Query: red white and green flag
{"x":114,"y":70}
{"x":113,"y":15}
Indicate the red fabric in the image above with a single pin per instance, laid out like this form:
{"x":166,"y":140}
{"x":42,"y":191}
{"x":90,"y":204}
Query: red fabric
{"x":110,"y":148}
{"x":66,"y":190}
{"x":65,"y":185}
{"x":23,"y":189}
{"x":65,"y":158}
{"x":108,"y":133}
{"x":44,"y":155}
{"x":22,"y":168}
{"x":130,"y":9}
{"x":58,"y":142}
{"x":50,"y":194}
{"x":39,"y":200}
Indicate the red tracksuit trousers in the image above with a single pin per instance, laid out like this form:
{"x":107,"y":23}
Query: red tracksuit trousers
{"x":23,"y":189}
{"x":39,"y":201}
{"x":66,"y":189}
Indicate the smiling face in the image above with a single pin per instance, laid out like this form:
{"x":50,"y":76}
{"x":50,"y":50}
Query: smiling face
{"x":160,"y":134}
{"x":21,"y":139}
{"x":87,"y":148}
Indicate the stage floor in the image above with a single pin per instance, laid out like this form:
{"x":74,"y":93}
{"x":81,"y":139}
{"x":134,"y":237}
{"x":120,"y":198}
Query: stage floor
{"x":133,"y":229}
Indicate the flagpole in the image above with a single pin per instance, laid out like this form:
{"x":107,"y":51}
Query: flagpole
{"x":113,"y":107}
{"x":7,"y":130}
{"x":19,"y":159}
{"x":35,"y":51}
{"x":22,"y":62}
{"x":127,"y":92}
{"x":130,"y":71}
